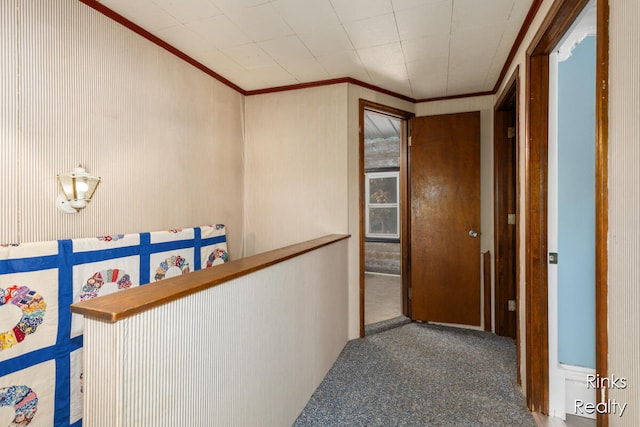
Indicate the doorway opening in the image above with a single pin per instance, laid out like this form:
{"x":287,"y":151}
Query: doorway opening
{"x":571,"y":216}
{"x":556,"y":25}
{"x":383,"y":228}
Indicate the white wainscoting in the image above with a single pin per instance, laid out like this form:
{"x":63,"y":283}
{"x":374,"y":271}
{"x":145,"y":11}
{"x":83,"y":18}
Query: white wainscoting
{"x":247,"y":352}
{"x":576,"y":389}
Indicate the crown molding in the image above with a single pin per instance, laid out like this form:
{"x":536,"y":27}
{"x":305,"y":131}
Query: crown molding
{"x":99,"y":7}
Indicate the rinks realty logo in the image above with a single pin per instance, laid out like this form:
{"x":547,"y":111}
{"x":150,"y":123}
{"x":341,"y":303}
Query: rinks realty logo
{"x":611,"y":406}
{"x":598,"y":382}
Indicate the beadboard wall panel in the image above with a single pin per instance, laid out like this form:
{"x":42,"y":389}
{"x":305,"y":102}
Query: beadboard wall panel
{"x":624,"y":207}
{"x":166,"y":138}
{"x":8,"y":120}
{"x":270,"y":339}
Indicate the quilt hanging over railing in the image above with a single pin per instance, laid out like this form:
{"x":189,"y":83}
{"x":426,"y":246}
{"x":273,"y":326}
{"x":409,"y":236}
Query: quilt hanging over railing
{"x":41,"y":341}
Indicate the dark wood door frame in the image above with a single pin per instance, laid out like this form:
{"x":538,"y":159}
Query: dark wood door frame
{"x":405,"y":231}
{"x":506,"y":195}
{"x":558,"y":20}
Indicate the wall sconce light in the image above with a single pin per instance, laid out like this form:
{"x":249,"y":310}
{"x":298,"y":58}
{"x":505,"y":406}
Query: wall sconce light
{"x":77,"y":189}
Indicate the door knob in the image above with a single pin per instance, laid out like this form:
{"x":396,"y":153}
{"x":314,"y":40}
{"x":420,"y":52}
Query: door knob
{"x":473,"y":233}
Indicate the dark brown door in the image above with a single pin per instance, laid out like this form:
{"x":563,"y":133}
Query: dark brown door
{"x":504,"y":163}
{"x":445,"y":218}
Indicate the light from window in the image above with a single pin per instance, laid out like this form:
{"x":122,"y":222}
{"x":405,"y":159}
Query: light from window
{"x":382,"y":214}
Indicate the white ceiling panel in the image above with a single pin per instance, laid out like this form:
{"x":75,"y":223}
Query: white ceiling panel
{"x":373,"y":31}
{"x":261,"y":22}
{"x":417,"y":48}
{"x":271,"y":75}
{"x":306,"y":70}
{"x":184,"y":39}
{"x":519,"y":13}
{"x":356,"y":10}
{"x":382,"y":56}
{"x":249,"y":56}
{"x":305,"y":16}
{"x":430,"y":19}
{"x":227,"y":68}
{"x":343,"y":64}
{"x":474,"y":14}
{"x":466,"y":46}
{"x":430,"y":86}
{"x":228,"y":6}
{"x":467,"y":78}
{"x":213,"y":56}
{"x":186,"y":11}
{"x":436,"y":67}
{"x":403,"y":87}
{"x":399,"y":5}
{"x":146,"y":15}
{"x":425,"y":48}
{"x":327,"y":41}
{"x":219,"y":31}
{"x":465,"y":85}
{"x":389,"y":73}
{"x":504,"y":46}
{"x":286,"y":49}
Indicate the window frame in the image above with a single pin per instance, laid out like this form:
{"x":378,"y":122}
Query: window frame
{"x":376,"y":174}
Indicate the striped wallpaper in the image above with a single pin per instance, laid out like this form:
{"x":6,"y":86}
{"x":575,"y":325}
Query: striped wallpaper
{"x":8,"y":120}
{"x":77,"y":87}
{"x":624,"y":206}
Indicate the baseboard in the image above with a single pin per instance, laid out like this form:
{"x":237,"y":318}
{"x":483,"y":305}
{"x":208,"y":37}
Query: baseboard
{"x":577,"y":390}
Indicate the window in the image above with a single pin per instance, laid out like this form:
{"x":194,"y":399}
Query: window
{"x":382,"y":214}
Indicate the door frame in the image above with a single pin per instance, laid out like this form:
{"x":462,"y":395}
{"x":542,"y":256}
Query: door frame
{"x":512,"y":90}
{"x":560,"y":17}
{"x":405,"y":231}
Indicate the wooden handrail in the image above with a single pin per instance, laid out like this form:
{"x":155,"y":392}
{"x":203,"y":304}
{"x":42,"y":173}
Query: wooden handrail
{"x":117,"y":306}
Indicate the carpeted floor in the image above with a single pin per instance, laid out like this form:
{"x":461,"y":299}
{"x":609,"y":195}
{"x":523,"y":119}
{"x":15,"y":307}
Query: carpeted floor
{"x":421,"y":375}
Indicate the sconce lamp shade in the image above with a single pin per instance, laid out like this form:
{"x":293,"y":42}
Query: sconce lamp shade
{"x":77,"y":188}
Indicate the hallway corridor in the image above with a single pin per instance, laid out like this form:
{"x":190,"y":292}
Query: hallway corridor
{"x":421,"y":375}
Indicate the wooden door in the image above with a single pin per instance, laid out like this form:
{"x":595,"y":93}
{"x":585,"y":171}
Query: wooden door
{"x":505,"y":224}
{"x":445,"y":218}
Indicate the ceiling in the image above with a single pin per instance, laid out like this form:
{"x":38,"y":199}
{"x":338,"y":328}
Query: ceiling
{"x":421,"y":49}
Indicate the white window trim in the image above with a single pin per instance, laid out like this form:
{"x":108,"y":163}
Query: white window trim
{"x":368,"y":205}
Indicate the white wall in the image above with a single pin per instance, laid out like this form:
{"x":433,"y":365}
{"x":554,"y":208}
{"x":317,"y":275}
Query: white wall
{"x":78,"y":87}
{"x":624,"y":206}
{"x":296,"y":166}
{"x":302,"y":165}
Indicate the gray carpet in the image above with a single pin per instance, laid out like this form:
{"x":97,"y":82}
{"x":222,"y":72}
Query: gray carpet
{"x":421,"y":375}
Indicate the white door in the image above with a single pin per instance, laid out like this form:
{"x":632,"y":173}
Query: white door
{"x":571,"y":220}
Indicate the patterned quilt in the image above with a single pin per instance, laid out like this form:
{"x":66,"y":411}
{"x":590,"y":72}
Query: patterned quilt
{"x":41,"y":341}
